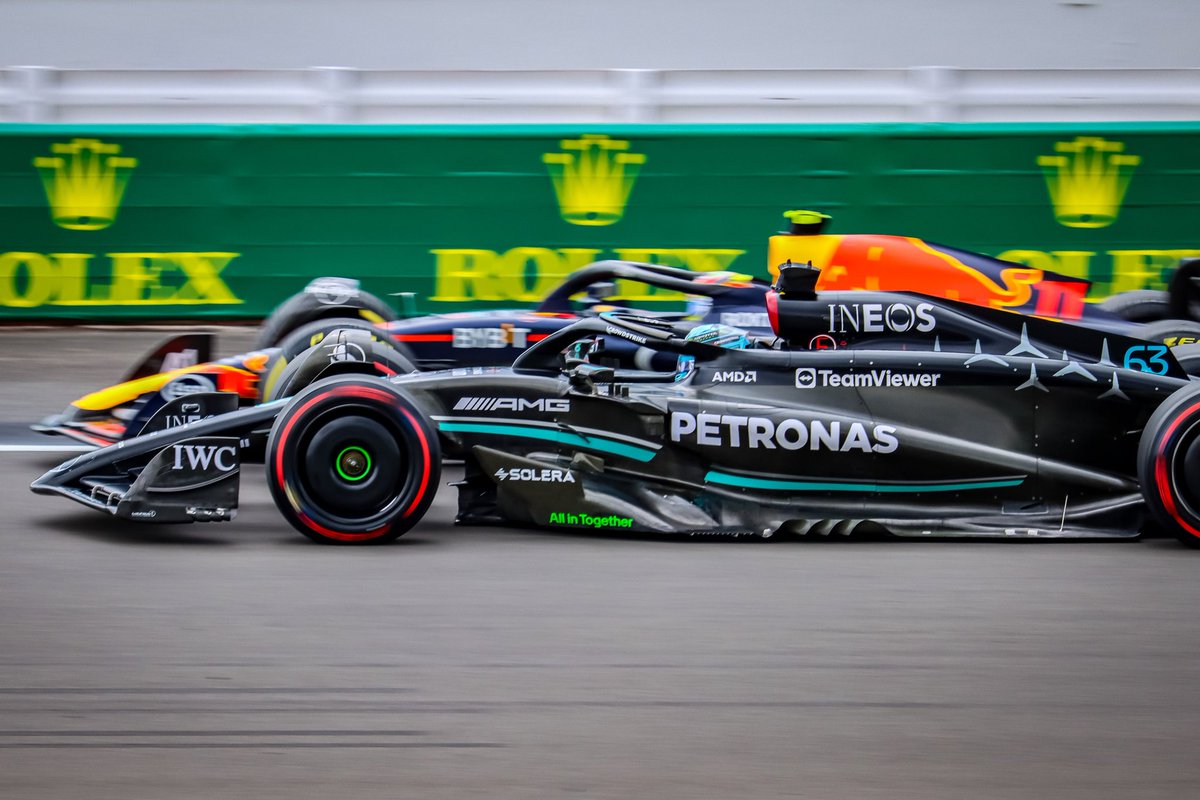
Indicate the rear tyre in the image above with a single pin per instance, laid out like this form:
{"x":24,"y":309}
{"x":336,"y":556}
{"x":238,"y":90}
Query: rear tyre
{"x":1184,"y":290}
{"x":1188,"y":356}
{"x":352,"y":460}
{"x":1139,"y":305}
{"x":324,"y":298}
{"x":1168,"y":464}
{"x":1171,"y":332}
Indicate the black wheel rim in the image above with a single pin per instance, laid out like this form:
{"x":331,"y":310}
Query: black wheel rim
{"x":352,"y":470}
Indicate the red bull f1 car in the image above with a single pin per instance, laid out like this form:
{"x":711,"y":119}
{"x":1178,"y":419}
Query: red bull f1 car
{"x":946,"y":418}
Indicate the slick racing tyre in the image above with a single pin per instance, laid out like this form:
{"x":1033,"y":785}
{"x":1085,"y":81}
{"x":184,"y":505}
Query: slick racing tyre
{"x":338,"y":352}
{"x":352,"y":460}
{"x":314,"y":333}
{"x":1188,"y":356}
{"x":1168,"y":464}
{"x":1138,"y":305}
{"x":1171,"y":332}
{"x":1184,"y":290}
{"x":324,"y":298}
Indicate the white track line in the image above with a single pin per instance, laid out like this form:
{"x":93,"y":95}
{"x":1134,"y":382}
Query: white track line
{"x":45,"y":448}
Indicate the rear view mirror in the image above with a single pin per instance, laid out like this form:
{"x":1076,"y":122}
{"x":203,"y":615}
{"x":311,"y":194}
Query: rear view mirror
{"x":600,"y":291}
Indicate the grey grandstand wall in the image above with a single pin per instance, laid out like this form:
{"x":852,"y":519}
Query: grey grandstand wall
{"x":197,"y":157}
{"x":577,"y":35}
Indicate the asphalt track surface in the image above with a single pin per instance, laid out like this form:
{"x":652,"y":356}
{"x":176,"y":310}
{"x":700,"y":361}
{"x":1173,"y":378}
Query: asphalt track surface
{"x":241,"y":661}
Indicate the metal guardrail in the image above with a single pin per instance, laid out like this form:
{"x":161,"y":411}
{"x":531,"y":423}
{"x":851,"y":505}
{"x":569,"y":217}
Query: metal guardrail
{"x":352,"y":96}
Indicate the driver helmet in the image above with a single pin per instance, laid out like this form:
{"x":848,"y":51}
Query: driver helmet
{"x":714,"y":334}
{"x":719,"y":336}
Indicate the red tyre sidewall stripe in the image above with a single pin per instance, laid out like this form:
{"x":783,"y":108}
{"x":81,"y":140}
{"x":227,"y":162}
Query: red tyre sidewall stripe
{"x":1163,"y":480}
{"x":344,"y":537}
{"x":370,"y":394}
{"x":425,"y":461}
{"x":286,"y":432}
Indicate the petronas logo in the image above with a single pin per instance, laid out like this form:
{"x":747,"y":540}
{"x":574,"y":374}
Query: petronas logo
{"x":1087,"y":179}
{"x":593,"y":177}
{"x":84,"y":180}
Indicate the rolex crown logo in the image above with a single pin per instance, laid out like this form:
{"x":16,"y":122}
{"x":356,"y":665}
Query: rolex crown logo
{"x":593,"y":178}
{"x":84,"y":181}
{"x":1087,"y":179}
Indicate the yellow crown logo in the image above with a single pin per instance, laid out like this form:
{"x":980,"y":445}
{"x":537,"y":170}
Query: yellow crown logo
{"x":1087,"y":180}
{"x":593,"y":178}
{"x":84,"y":181}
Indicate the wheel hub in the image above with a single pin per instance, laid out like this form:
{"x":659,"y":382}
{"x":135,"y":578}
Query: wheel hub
{"x":353,"y":464}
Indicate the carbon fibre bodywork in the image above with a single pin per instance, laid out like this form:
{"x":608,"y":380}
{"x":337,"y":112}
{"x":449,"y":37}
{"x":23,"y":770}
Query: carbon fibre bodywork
{"x":985,"y":423}
{"x":495,"y":338}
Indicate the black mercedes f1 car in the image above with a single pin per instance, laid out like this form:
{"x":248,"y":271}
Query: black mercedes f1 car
{"x":845,"y":263}
{"x":945,"y":419}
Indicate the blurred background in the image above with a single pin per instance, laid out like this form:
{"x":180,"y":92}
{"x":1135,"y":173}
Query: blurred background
{"x":202,"y":160}
{"x":206,"y":159}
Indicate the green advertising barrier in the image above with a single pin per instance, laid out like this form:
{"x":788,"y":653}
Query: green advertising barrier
{"x":173,"y":222}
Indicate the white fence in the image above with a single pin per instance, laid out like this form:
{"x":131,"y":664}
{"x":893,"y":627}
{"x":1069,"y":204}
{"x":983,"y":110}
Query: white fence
{"x":353,"y":96}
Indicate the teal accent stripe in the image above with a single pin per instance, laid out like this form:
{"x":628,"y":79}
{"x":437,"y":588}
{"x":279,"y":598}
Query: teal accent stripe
{"x":550,"y":435}
{"x":725,"y":479}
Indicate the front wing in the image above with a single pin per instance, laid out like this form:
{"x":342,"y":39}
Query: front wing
{"x":188,"y":473}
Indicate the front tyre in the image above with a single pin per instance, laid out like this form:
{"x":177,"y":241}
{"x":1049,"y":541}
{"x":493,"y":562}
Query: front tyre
{"x":323,"y":298}
{"x":352,"y":460}
{"x":1171,"y":332}
{"x":1168,"y":464}
{"x":305,"y":352}
{"x":1188,"y":357}
{"x":1184,"y":290}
